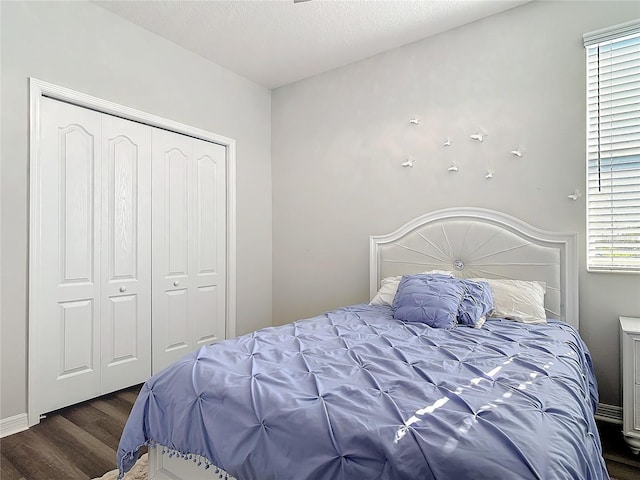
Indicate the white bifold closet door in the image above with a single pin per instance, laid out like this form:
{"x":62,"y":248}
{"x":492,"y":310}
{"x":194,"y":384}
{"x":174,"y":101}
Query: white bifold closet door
{"x":189,"y":254}
{"x":131,"y":262}
{"x":94,"y":313}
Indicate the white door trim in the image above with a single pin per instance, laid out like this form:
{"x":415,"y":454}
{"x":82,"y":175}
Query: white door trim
{"x":39,"y":89}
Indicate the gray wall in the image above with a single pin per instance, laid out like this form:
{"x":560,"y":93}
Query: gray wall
{"x":81,"y":46}
{"x":338,"y":140}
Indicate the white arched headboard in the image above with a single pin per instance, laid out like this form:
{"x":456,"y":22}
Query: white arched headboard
{"x":476,"y":242}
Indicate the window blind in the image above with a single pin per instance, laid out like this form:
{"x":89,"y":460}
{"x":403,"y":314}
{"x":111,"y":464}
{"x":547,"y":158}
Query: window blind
{"x":613,"y":149}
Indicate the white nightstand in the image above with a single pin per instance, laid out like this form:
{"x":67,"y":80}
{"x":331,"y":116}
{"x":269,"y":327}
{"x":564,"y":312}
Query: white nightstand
{"x":630,"y":365}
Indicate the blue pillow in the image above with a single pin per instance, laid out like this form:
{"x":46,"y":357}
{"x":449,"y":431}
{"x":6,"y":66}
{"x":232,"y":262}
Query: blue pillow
{"x":476,"y":303}
{"x":428,"y":298}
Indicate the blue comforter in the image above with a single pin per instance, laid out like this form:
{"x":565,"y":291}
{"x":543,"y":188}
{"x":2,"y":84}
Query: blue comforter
{"x":355,"y":394}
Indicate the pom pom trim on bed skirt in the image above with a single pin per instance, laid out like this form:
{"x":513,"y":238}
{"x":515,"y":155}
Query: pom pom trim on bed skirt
{"x":198,"y":459}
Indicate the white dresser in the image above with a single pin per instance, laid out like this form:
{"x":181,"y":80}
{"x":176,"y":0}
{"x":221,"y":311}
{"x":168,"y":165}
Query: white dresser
{"x":630,"y":365}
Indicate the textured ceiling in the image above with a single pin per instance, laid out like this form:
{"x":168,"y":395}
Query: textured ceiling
{"x":276,"y":42}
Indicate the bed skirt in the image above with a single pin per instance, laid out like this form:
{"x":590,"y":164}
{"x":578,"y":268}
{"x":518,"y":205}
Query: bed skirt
{"x":166,"y":464}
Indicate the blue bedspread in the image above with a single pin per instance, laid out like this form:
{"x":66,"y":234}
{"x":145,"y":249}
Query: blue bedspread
{"x":355,"y":394}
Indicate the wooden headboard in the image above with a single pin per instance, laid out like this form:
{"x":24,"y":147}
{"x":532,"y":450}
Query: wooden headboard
{"x":476,"y":242}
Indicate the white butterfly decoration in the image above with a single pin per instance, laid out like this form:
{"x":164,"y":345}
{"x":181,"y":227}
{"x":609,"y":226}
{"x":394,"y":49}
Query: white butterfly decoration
{"x":453,"y":168}
{"x":516,"y":152}
{"x":489,"y":175}
{"x":478,"y":136}
{"x":575,"y":195}
{"x":447,"y":142}
{"x":408,"y":163}
{"x":415,"y":121}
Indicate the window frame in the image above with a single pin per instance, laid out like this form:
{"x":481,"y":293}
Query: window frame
{"x":606,"y":262}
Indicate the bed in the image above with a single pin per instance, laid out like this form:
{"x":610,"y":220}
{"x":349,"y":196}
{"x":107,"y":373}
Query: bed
{"x":363,"y":393}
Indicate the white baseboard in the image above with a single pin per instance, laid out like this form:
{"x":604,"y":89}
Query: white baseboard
{"x":15,"y":424}
{"x":609,"y":413}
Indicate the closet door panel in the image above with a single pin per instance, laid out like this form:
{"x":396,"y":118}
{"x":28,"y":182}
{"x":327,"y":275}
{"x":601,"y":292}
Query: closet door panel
{"x":76,"y":334}
{"x":172,"y":222}
{"x":205,"y":314}
{"x":69,"y":278}
{"x":189,"y":251}
{"x":208,"y":242}
{"x":177,"y":312}
{"x":123,"y":344}
{"x":126,"y":254}
{"x":176,"y":207}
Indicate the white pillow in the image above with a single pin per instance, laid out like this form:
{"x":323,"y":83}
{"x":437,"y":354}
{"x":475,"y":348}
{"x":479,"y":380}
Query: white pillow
{"x":389,"y":287}
{"x":518,"y":300}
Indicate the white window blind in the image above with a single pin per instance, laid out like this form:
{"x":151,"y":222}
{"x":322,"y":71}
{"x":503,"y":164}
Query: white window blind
{"x":613,"y":149}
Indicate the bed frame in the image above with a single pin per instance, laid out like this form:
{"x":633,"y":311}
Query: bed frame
{"x":475,"y":242}
{"x":470,"y":242}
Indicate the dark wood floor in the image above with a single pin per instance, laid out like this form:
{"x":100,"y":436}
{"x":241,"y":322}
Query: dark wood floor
{"x":80,"y":442}
{"x":621,"y":462}
{"x":75,"y":443}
